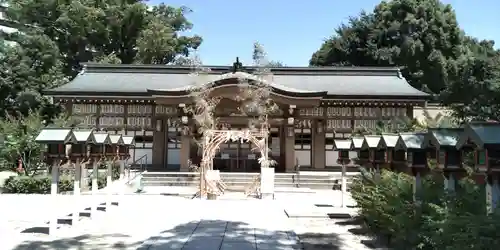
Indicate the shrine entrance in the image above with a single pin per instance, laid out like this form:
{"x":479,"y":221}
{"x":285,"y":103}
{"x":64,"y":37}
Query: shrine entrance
{"x":235,"y":156}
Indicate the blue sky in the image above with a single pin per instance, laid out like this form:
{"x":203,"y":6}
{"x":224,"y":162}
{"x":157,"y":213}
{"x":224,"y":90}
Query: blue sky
{"x":292,"y":30}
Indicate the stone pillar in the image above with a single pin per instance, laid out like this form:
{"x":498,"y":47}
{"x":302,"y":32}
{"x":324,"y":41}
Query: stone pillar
{"x":185,"y":151}
{"x":84,"y":177}
{"x":122,"y":169}
{"x":76,"y":192}
{"x":95,"y":188}
{"x":344,"y":185}
{"x":53,"y":193}
{"x":318,"y":147}
{"x":109,"y":183}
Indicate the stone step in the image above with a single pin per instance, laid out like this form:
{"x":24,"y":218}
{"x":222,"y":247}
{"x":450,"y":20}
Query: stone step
{"x":233,"y":184}
{"x":246,"y":180}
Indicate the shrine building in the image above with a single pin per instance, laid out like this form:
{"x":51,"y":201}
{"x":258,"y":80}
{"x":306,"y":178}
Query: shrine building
{"x":317,"y":105}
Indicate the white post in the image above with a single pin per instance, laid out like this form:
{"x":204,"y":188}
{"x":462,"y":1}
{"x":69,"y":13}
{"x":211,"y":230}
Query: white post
{"x":95,"y":188}
{"x":122,"y":170}
{"x":122,"y":181}
{"x":267,"y":183}
{"x":76,"y":192}
{"x":344,"y":185}
{"x":109,"y":181}
{"x":53,"y":195}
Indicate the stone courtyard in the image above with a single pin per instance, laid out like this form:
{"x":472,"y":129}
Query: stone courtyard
{"x":154,"y":221}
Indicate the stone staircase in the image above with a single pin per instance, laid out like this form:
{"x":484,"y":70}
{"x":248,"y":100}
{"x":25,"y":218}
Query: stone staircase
{"x":240,"y":181}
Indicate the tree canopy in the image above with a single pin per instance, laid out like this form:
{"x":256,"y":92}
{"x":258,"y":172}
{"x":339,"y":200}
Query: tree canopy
{"x":55,"y":37}
{"x":423,"y":39}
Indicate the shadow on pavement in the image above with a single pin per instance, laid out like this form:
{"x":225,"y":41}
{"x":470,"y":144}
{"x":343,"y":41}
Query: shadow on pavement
{"x":66,"y":220}
{"x":219,"y":234}
{"x":85,"y":241}
{"x":204,"y":235}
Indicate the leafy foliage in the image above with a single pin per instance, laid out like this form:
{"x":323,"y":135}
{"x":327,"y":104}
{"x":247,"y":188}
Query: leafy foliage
{"x":26,"y":70}
{"x":423,"y":38}
{"x":55,"y":37}
{"x":35,"y":184}
{"x":84,"y":30}
{"x":435,"y":218}
{"x":19,"y":136}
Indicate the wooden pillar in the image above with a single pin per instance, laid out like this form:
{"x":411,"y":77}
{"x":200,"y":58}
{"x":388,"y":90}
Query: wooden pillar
{"x":159,"y":145}
{"x":185,"y":151}
{"x":318,"y":147}
{"x":290,"y":161}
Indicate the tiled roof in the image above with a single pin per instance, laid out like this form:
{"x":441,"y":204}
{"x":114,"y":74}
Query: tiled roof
{"x":445,"y":136}
{"x":56,"y":136}
{"x":84,"y":136}
{"x":342,"y":144}
{"x":480,"y":133}
{"x":357,"y":142}
{"x":371,"y":141}
{"x":411,"y":140}
{"x":102,"y":138}
{"x":388,"y":141}
{"x":335,"y":81}
{"x":116,"y":139}
{"x":128,"y":139}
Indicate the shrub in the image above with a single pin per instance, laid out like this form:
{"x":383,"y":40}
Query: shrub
{"x":35,"y":185}
{"x":433,"y":218}
{"x":41,"y":184}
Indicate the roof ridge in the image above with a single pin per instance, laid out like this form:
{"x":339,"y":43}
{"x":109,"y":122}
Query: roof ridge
{"x":91,"y":67}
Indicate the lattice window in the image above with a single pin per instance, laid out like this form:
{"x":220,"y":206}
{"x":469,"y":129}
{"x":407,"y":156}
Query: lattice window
{"x":140,"y":109}
{"x":367,"y":124}
{"x":366,"y":112}
{"x":107,"y":121}
{"x":139,"y":122}
{"x":85,"y":121}
{"x":166,"y":110}
{"x":84,"y":108}
{"x":317,"y":111}
{"x":112,"y":109}
{"x":338,"y":111}
{"x":338,"y":124}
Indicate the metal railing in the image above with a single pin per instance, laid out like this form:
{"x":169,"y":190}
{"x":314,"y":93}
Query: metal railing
{"x":136,"y":168}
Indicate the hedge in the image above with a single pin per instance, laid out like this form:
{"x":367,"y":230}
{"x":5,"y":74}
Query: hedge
{"x":433,"y":219}
{"x":41,"y":184}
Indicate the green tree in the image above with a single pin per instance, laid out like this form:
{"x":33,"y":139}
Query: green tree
{"x":26,"y":70}
{"x":89,"y":30}
{"x":420,"y":36}
{"x":433,"y":219}
{"x":19,"y":143}
{"x":475,"y":91}
{"x":55,"y":37}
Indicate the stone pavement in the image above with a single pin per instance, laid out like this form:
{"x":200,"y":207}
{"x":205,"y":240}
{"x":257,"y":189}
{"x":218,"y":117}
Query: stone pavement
{"x":158,"y":222}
